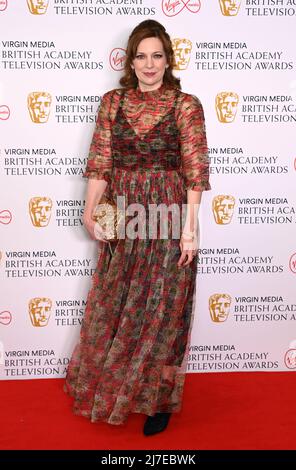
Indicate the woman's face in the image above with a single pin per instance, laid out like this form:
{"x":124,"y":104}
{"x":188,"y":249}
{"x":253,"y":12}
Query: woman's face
{"x":150,"y":64}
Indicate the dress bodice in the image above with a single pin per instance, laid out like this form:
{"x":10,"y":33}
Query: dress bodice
{"x":162,"y":128}
{"x":148,"y":136}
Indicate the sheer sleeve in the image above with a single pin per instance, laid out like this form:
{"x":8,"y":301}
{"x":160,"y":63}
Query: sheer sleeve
{"x":99,"y":163}
{"x":194,"y":149}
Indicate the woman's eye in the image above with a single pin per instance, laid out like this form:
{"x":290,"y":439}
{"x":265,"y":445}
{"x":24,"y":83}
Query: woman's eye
{"x":156,"y":56}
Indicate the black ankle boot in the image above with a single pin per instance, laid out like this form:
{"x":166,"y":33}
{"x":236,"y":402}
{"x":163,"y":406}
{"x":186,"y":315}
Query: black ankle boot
{"x":156,"y":423}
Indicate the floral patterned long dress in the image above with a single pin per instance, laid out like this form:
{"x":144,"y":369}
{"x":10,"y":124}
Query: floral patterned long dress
{"x":133,"y":349}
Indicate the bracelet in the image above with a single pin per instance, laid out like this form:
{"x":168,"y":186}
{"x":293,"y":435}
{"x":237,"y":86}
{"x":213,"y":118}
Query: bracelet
{"x":189,"y":234}
{"x":191,"y":238}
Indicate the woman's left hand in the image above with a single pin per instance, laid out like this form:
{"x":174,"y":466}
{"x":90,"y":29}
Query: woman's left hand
{"x":188,"y":250}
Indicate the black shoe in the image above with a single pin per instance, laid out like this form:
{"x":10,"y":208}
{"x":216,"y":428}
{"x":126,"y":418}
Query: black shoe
{"x":156,"y":423}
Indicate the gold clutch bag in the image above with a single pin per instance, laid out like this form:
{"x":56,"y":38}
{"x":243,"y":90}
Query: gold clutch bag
{"x":108,"y":216}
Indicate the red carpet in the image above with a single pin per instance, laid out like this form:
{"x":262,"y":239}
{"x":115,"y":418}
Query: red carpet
{"x":220,"y":411}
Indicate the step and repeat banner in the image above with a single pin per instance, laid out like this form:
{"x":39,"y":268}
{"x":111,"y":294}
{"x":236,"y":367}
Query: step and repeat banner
{"x":57,"y":59}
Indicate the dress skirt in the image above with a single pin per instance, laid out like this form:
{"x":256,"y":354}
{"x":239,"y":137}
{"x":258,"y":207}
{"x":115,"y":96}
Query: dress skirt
{"x":133,"y":348}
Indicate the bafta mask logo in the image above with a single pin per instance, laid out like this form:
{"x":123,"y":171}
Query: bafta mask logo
{"x":37,"y":7}
{"x":292,"y":263}
{"x":226,"y":106}
{"x":39,"y":106}
{"x":39,"y":311}
{"x":3,"y":5}
{"x":4,"y":112}
{"x":174,"y":7}
{"x":230,"y":7}
{"x":40,"y":211}
{"x":5,"y":318}
{"x":117,"y":59}
{"x":182,"y":50}
{"x":223,"y":207}
{"x":219,"y":306}
{"x":5,"y":217}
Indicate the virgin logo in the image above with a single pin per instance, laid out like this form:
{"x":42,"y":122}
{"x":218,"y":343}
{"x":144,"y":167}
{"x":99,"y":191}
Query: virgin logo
{"x":174,"y":7}
{"x":5,"y":317}
{"x":5,"y":217}
{"x":3,"y":5}
{"x":117,"y":59}
{"x":292,"y":263}
{"x":290,"y":359}
{"x":4,"y":112}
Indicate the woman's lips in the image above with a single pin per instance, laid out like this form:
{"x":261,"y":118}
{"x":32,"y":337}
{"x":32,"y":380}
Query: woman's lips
{"x":149,"y":74}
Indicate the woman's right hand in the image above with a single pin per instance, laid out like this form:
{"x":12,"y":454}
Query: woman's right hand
{"x":94,"y":229}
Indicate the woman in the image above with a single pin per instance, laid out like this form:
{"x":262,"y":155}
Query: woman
{"x":149,"y":146}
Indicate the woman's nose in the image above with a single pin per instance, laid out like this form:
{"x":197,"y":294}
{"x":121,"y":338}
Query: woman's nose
{"x":149,"y":61}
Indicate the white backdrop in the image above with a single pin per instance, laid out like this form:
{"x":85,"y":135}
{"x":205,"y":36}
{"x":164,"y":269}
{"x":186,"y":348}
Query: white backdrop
{"x":62,"y":56}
